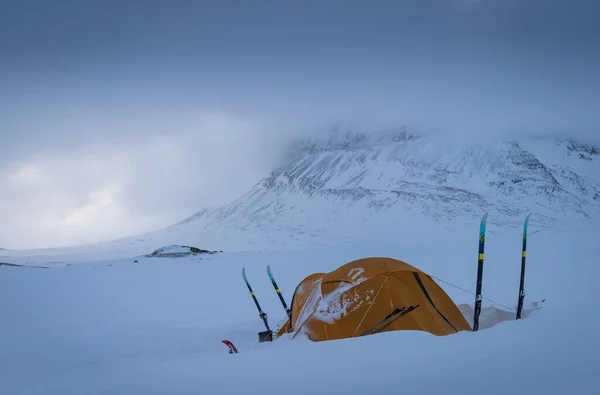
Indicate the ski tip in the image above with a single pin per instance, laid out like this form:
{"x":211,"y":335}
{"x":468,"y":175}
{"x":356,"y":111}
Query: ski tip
{"x":526,"y":223}
{"x":244,"y":271}
{"x":483,"y":223}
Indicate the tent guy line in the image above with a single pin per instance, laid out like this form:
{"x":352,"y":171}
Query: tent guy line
{"x":473,"y":293}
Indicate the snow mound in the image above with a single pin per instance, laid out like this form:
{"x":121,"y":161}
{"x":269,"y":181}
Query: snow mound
{"x":491,"y":316}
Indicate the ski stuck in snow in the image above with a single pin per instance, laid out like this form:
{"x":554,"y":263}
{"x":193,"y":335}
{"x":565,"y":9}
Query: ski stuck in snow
{"x":287,"y":310}
{"x":523,"y":257}
{"x":477,"y":310}
{"x":265,"y":335}
{"x":478,"y":295}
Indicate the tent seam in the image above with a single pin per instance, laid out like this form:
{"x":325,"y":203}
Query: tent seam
{"x":424,"y":290}
{"x":369,"y":309}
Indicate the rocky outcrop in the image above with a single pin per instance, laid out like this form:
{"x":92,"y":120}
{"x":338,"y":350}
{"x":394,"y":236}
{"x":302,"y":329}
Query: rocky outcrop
{"x":178,"y":251}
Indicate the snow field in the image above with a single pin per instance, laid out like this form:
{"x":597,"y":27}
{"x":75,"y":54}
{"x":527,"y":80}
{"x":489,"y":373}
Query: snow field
{"x":154,"y":327}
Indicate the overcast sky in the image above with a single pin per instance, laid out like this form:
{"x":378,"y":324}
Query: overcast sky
{"x":119,"y":117}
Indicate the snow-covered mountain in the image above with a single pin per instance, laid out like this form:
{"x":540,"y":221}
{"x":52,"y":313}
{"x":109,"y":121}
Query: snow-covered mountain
{"x":355,"y":181}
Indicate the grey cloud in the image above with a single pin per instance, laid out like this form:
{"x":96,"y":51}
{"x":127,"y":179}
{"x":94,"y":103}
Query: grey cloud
{"x":111,"y":96}
{"x":125,"y":184}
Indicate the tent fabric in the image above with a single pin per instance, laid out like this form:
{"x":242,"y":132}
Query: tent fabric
{"x":360,"y":294}
{"x":302,"y":292}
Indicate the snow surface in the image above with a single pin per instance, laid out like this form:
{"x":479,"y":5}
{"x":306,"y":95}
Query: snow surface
{"x":154,"y":327}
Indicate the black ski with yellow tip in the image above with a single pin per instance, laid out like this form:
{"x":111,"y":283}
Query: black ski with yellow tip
{"x":522,"y":279}
{"x":478,"y":297}
{"x":287,"y":310}
{"x":268,"y":334}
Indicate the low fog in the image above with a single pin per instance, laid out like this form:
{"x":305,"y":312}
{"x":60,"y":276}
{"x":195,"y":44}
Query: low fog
{"x":119,"y":183}
{"x":117,"y":120}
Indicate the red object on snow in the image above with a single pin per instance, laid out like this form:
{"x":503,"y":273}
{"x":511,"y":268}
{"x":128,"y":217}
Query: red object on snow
{"x":229,"y":344}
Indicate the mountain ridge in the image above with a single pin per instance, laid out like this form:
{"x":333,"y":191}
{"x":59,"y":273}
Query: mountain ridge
{"x":422,"y":175}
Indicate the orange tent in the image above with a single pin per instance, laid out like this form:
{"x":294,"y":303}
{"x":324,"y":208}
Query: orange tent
{"x":368,"y":296}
